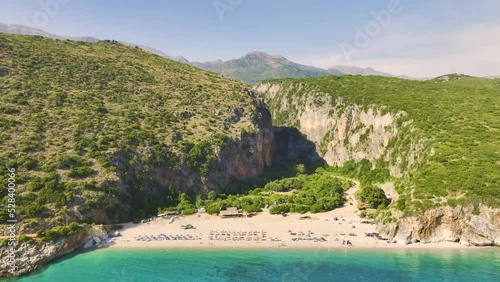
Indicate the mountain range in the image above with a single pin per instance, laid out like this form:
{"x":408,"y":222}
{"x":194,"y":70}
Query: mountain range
{"x":101,"y":132}
{"x":252,"y":67}
{"x":26,"y":30}
{"x":256,"y":66}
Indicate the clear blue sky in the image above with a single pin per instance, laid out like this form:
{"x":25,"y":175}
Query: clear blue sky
{"x":452,"y":35}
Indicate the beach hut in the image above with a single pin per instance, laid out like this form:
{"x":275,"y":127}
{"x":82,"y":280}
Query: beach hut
{"x":170,"y":213}
{"x":230,"y":212}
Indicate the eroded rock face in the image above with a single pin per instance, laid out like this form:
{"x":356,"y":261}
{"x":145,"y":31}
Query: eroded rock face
{"x":342,"y":131}
{"x":246,"y":159}
{"x":291,"y":146}
{"x":448,"y":224}
{"x":240,"y":159}
{"x":33,"y":255}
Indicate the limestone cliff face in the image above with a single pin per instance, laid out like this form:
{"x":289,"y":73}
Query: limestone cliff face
{"x":341,"y":131}
{"x":240,"y":159}
{"x":344,"y":131}
{"x":33,"y":255}
{"x":246,"y":158}
{"x":292,"y":147}
{"x":448,"y":224}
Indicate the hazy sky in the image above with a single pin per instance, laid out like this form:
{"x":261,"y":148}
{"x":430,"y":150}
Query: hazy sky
{"x":416,"y":38}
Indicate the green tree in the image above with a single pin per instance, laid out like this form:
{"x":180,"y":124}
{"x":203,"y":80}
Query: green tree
{"x":373,"y":196}
{"x":199,"y":201}
{"x":300,"y":169}
{"x":212,"y":195}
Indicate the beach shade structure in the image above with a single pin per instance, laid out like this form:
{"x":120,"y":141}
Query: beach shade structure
{"x":230,"y":212}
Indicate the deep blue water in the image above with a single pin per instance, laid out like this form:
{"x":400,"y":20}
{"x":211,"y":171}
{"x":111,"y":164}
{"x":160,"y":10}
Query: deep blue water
{"x":274,"y":265}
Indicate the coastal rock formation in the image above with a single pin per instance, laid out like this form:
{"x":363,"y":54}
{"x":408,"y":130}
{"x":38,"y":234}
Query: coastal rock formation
{"x":250,"y":156}
{"x":240,"y":160}
{"x":457,"y":224}
{"x":291,"y":146}
{"x":345,"y":131}
{"x":342,"y":131}
{"x":32,"y":255}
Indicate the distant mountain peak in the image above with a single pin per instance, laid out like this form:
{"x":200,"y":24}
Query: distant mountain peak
{"x":253,"y":66}
{"x":358,"y":70}
{"x":181,"y":59}
{"x":26,"y":30}
{"x":260,"y":54}
{"x":257,"y":53}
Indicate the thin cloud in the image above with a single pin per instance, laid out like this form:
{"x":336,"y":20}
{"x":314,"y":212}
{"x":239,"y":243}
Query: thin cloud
{"x":473,"y":50}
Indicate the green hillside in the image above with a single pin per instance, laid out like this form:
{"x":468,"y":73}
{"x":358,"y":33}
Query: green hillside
{"x":457,"y":117}
{"x":98,"y":132}
{"x":86,"y":125}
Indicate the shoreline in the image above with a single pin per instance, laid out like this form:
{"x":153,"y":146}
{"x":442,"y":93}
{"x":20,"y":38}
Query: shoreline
{"x":339,"y":229}
{"x":265,"y":232}
{"x":441,"y":246}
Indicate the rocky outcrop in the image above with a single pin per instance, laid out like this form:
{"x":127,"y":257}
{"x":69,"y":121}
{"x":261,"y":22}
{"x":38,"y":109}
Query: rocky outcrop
{"x":249,"y":157}
{"x":457,"y":224}
{"x":236,"y":160}
{"x":291,"y":146}
{"x":239,"y":161}
{"x":32,"y":255}
{"x":231,"y":159}
{"x":342,"y":131}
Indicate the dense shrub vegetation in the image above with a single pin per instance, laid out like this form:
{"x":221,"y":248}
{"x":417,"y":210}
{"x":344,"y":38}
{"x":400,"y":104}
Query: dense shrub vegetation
{"x":58,"y":232}
{"x":91,"y":127}
{"x":373,"y":196}
{"x":318,"y":192}
{"x":87,"y":125}
{"x":455,"y":117}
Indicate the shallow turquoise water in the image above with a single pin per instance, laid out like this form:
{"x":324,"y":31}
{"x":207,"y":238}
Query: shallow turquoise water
{"x":274,"y":265}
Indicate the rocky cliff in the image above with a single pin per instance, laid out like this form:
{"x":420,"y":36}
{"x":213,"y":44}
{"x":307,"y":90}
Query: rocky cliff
{"x":457,"y":224}
{"x":343,"y":131}
{"x":32,"y":255}
{"x":238,"y":159}
{"x":116,"y":144}
{"x":234,"y":160}
{"x":247,"y":158}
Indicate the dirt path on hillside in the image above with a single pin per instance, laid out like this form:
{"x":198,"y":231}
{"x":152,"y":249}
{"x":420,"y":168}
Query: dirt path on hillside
{"x":350,"y":206}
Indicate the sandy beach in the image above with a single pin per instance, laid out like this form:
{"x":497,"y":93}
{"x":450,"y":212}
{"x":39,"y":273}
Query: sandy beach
{"x":262,"y":231}
{"x":278,"y":233}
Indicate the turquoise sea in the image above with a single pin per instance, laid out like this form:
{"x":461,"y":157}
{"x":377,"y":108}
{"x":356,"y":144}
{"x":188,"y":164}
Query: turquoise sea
{"x":273,"y":265}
